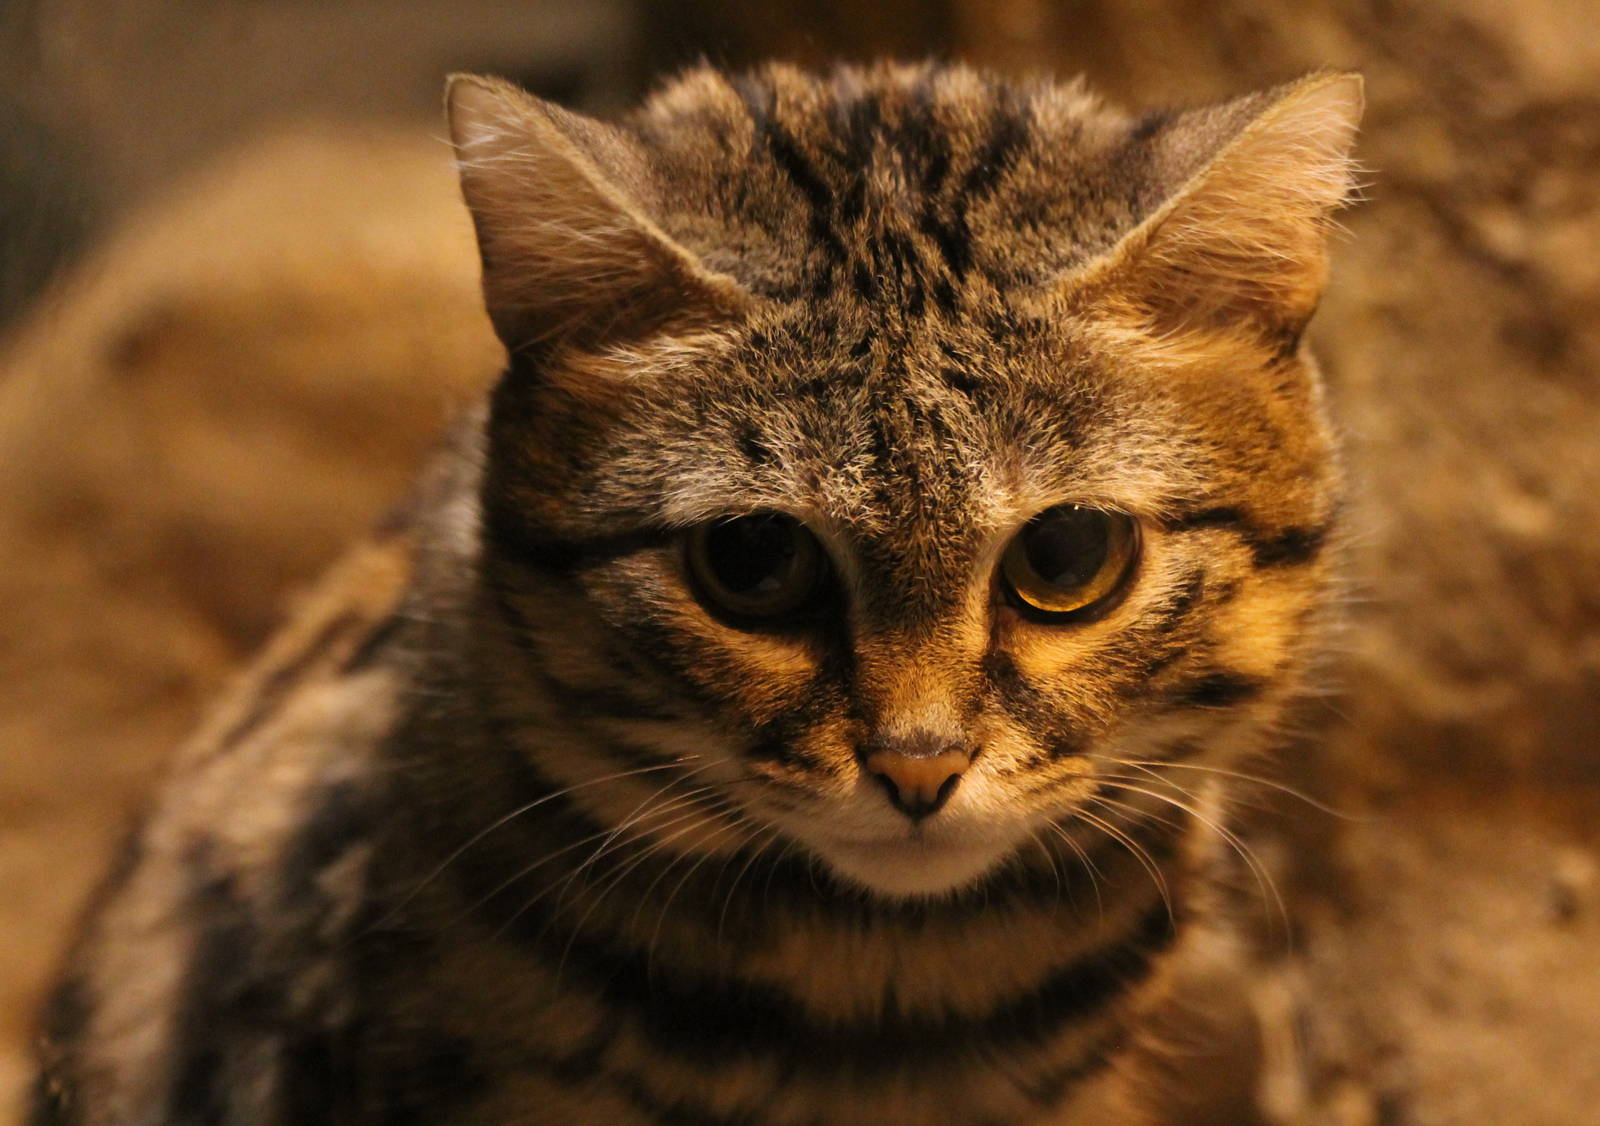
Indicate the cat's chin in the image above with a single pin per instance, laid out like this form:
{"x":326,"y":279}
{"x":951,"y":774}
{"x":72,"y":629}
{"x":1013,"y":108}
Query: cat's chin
{"x":910,"y":867}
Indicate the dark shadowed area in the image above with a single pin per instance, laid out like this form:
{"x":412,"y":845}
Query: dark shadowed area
{"x":238,"y":299}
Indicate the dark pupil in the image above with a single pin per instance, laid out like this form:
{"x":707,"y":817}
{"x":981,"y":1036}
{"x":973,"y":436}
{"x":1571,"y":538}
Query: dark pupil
{"x":752,"y":555}
{"x":1067,"y":547}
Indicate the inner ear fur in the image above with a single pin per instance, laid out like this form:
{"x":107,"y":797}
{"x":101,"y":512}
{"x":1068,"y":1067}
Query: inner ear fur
{"x":568,"y":250}
{"x":1241,"y":244}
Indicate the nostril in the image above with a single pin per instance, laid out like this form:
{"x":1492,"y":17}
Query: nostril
{"x":919,"y":784}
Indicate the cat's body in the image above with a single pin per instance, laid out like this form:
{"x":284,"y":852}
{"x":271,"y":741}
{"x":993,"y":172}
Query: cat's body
{"x":543,"y":814}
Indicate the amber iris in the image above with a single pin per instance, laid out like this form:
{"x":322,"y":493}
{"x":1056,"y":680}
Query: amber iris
{"x":761,"y":566}
{"x":1070,"y":562}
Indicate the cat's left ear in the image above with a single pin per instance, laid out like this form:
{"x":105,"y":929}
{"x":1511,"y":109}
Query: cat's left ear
{"x":569,"y":250}
{"x":1239,"y":244}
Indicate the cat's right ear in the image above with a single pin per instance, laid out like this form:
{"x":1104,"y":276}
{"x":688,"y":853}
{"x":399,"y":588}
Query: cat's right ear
{"x":569,"y":253}
{"x":1239,"y":245}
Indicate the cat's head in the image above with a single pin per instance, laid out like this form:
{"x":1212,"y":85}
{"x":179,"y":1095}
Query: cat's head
{"x":926,"y":458}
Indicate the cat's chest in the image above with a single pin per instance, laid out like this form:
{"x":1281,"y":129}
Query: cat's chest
{"x":610,"y":1014}
{"x":524,"y":1100}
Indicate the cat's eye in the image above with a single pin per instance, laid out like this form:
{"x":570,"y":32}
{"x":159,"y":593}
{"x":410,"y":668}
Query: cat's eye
{"x":1070,"y":563}
{"x":760,"y":567}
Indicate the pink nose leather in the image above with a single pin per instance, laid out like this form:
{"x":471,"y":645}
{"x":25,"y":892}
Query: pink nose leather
{"x":919,"y":784}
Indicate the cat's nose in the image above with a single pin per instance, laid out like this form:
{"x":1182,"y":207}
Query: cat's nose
{"x":919,"y":773}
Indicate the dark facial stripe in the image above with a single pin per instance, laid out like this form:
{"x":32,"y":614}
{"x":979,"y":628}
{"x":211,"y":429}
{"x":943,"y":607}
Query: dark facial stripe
{"x":584,"y":702}
{"x":1035,"y":712}
{"x":778,"y":741}
{"x":1289,"y":546}
{"x":1189,"y":594}
{"x":1215,"y":690}
{"x":576,"y":701}
{"x":508,"y":535}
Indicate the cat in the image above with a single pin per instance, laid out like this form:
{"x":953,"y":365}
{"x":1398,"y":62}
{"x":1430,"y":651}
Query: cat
{"x":802,"y":692}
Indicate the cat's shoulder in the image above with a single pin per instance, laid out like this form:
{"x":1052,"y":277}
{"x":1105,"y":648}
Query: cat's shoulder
{"x":243,"y":877}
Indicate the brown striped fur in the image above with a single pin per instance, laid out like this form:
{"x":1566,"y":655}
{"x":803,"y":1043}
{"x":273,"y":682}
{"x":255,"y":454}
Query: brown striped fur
{"x":512,"y":829}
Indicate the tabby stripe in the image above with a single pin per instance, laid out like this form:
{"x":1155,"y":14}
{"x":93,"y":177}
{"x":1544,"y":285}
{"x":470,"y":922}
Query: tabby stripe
{"x":1222,"y":689}
{"x":376,"y":644}
{"x":857,"y":122}
{"x":675,"y":1112}
{"x":271,"y":691}
{"x":682,"y":1011}
{"x":345,"y":814}
{"x":798,"y":885}
{"x":1289,"y":546}
{"x":509,"y":534}
{"x":1030,"y":708}
{"x":54,"y":1099}
{"x":581,"y":703}
{"x":1047,"y":1090}
{"x":1158,"y":636}
{"x":753,"y":444}
{"x":1044,"y":1091}
{"x":963,"y":383}
{"x":1188,"y":597}
{"x":761,"y":104}
{"x":1009,"y":128}
{"x":427,"y":1072}
{"x":228,"y":1009}
{"x":572,"y":699}
{"x":924,"y":137}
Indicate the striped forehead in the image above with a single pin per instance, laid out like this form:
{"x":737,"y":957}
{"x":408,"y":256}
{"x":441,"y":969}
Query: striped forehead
{"x":891,"y":472}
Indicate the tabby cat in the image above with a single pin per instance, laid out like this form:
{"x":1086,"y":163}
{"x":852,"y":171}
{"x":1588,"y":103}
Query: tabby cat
{"x":801,"y":693}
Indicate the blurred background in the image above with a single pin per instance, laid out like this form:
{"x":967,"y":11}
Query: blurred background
{"x":238,"y":299}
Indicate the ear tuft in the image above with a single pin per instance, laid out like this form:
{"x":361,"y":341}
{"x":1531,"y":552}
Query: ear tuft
{"x":1241,"y":244}
{"x":568,"y":250}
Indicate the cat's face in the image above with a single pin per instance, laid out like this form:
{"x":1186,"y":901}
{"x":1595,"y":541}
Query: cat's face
{"x":928,"y":568}
{"x":1019,"y":568}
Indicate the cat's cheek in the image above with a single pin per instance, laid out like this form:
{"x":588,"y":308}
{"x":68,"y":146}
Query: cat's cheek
{"x":1260,"y":631}
{"x":755,"y":675}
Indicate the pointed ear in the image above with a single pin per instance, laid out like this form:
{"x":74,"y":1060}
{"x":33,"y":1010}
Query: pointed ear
{"x":1241,"y":243}
{"x":568,"y":253}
